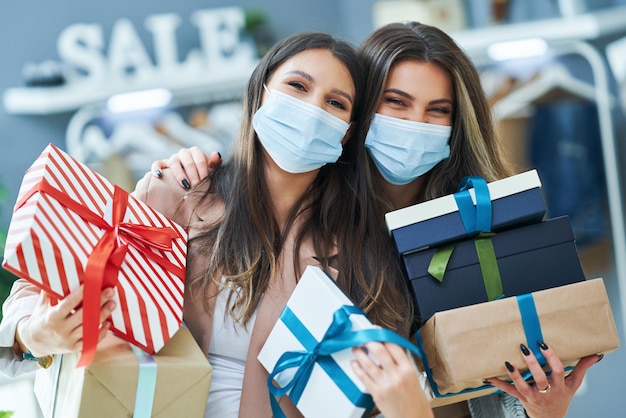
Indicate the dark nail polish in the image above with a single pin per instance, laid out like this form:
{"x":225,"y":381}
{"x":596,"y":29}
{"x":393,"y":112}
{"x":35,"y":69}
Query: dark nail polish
{"x":542,"y":345}
{"x":158,"y":173}
{"x":186,"y":184}
{"x":600,"y":358}
{"x":509,"y":366}
{"x":524,"y":349}
{"x":486,"y":382}
{"x":219,"y":155}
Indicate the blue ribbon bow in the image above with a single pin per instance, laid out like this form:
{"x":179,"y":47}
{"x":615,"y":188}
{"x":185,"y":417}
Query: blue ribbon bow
{"x":476,"y":218}
{"x":338,"y":337}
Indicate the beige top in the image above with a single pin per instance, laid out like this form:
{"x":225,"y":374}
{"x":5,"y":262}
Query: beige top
{"x":167,"y":197}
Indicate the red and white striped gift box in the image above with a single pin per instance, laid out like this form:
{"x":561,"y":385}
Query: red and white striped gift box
{"x":71,"y":226}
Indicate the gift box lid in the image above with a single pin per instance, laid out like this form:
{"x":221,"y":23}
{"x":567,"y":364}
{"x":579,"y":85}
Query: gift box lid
{"x":447,"y":204}
{"x":506,"y":243}
{"x":514,"y":201}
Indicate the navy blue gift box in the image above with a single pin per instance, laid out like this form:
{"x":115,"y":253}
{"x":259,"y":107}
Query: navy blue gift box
{"x":516,"y":200}
{"x":529,"y":258}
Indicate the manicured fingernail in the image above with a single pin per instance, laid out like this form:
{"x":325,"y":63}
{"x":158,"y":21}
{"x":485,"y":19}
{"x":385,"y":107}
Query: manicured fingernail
{"x":486,"y":382}
{"x":158,"y":173}
{"x":186,"y":184}
{"x":542,"y":345}
{"x":600,"y":357}
{"x":524,"y":349}
{"x":218,"y":153}
{"x":509,"y":366}
{"x":365,"y":350}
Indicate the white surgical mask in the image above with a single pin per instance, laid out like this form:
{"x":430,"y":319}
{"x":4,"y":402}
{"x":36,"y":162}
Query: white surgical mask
{"x":404,"y":150}
{"x":300,"y":137}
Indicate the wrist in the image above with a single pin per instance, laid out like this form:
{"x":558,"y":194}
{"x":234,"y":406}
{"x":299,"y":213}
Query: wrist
{"x":20,"y":333}
{"x":21,"y":350}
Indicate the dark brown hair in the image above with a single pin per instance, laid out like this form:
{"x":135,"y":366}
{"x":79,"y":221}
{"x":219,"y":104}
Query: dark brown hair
{"x":336,"y":213}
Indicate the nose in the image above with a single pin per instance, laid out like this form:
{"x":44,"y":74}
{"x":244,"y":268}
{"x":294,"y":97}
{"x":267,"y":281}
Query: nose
{"x":316,"y":98}
{"x":417,"y":115}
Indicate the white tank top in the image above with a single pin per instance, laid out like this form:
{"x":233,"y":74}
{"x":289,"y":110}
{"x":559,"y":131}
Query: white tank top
{"x":227,"y":354}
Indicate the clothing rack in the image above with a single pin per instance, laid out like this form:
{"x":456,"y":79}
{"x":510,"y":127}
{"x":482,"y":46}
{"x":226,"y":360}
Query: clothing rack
{"x":573,"y":35}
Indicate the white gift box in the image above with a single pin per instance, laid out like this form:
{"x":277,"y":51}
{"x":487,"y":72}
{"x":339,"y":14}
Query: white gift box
{"x":515,"y":201}
{"x":314,"y":301}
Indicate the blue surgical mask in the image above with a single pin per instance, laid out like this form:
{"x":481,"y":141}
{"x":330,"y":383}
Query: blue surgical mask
{"x":404,"y":150}
{"x":300,"y":137}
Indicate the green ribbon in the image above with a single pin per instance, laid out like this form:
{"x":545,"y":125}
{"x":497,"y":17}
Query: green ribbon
{"x":476,"y":220}
{"x":486,"y":259}
{"x":439,"y":262}
{"x":489,"y":266}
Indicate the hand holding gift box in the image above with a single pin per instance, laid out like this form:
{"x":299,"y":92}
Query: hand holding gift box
{"x":308,"y":352}
{"x":119,"y":383}
{"x":71,"y":226}
{"x":462,"y":347}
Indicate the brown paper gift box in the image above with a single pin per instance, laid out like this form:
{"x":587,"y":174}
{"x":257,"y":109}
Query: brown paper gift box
{"x":466,"y":345}
{"x":107,"y":387}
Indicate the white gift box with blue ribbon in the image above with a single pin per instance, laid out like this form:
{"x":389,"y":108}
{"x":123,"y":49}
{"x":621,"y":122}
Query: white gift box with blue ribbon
{"x":511,"y":202}
{"x":308,"y":352}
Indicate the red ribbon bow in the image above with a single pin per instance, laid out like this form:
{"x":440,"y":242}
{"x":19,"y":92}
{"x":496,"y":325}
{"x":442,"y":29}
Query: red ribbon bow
{"x":104,"y":262}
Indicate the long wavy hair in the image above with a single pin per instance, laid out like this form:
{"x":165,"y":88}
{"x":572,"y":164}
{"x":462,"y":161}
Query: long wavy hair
{"x":474,"y":147}
{"x":336,"y":212}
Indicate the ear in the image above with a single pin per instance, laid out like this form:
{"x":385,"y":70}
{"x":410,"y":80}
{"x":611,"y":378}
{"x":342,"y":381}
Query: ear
{"x":348,"y":134}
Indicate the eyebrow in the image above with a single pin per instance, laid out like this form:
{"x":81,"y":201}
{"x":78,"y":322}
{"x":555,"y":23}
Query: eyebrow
{"x":410,"y":97}
{"x":309,"y":78}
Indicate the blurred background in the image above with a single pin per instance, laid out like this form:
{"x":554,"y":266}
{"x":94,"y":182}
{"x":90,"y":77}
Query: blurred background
{"x":119,"y":84}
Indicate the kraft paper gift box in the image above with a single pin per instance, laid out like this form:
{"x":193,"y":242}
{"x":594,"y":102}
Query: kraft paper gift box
{"x":530,"y":258}
{"x":68,"y":220}
{"x":462,"y":347}
{"x":108,"y":387}
{"x":516,"y":200}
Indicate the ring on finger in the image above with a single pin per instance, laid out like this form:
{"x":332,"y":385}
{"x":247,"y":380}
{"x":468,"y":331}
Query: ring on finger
{"x":546,"y":390}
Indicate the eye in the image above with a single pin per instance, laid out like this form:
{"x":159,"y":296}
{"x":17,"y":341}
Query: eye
{"x":337,"y":104}
{"x":394,"y":101}
{"x":297,"y":85}
{"x":442,"y":110}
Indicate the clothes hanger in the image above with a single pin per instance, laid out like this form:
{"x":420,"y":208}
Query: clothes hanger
{"x":553,"y":82}
{"x":174,"y":126}
{"x":616,"y":57}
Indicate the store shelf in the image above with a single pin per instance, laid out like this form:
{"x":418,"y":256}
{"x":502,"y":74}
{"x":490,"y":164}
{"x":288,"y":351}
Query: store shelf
{"x":186,"y":89}
{"x":584,"y":27}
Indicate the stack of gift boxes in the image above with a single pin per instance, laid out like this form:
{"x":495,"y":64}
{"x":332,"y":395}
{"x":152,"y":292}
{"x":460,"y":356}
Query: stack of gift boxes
{"x":67,"y":220}
{"x":488,"y":272}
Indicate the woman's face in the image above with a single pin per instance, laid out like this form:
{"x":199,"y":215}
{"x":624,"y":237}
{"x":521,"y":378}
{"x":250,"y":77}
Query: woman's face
{"x":316,"y":76}
{"x":418,"y":91}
